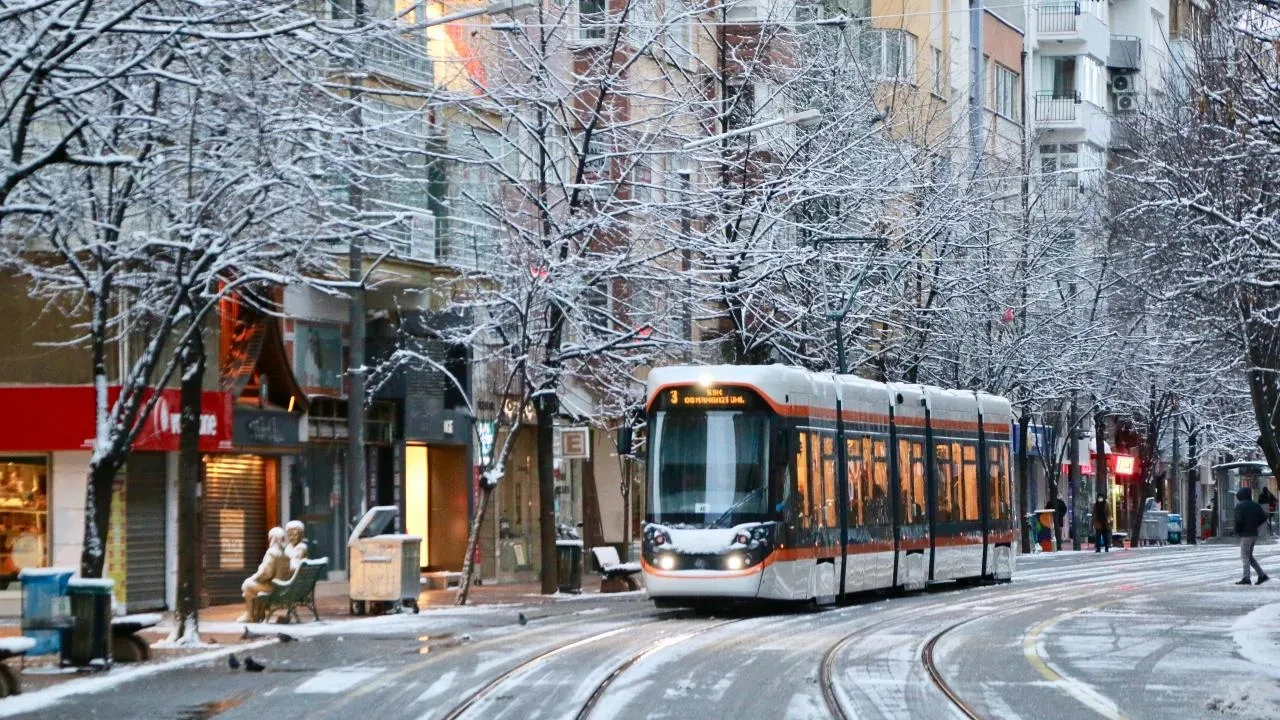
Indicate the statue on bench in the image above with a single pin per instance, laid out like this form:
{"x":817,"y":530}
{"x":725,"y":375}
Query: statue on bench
{"x":296,"y":547}
{"x":275,"y":565}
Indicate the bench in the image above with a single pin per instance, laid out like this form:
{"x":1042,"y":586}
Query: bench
{"x":287,"y":595}
{"x":126,"y":646}
{"x":615,"y":575}
{"x":441,"y":580}
{"x":1118,"y":539}
{"x":12,"y":647}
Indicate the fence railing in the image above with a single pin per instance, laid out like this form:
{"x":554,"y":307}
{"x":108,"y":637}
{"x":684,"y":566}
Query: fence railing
{"x":1059,"y":17}
{"x":400,"y":60}
{"x":1056,"y":106}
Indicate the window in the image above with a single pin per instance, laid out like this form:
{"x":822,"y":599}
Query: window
{"x":972,"y":511}
{"x":591,"y":20}
{"x":827,"y":469}
{"x":857,"y":481}
{"x":598,"y":307}
{"x":877,"y":509}
{"x":1004,"y":92}
{"x":596,"y":159}
{"x":740,"y":106}
{"x":679,"y":22}
{"x":889,"y":54}
{"x":1060,"y":75}
{"x":998,"y":476}
{"x":939,"y":74}
{"x":709,"y":467}
{"x":24,"y":510}
{"x":804,"y":506}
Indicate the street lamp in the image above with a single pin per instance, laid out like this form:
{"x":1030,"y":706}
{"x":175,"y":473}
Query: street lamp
{"x":837,"y":318}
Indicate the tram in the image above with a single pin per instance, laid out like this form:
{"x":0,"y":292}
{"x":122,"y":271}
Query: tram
{"x":775,"y":483}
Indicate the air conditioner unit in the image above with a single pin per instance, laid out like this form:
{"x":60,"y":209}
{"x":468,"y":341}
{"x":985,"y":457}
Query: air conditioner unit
{"x":1123,"y":83}
{"x":1126,"y":104}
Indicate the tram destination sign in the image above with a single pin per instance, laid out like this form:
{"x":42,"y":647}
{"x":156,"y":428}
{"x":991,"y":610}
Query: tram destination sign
{"x":708,"y":397}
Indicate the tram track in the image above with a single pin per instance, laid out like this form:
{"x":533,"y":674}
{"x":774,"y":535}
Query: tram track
{"x":935,"y":675}
{"x":598,"y":692}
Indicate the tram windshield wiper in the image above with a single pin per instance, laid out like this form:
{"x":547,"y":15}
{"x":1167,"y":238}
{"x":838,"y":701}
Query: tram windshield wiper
{"x":729,"y":513}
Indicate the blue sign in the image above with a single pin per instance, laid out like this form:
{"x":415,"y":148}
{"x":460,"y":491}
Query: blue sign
{"x":1041,"y":437}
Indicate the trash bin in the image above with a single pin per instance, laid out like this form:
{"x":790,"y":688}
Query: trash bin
{"x":1044,"y":529}
{"x":569,"y":563}
{"x":1207,"y":528}
{"x":45,"y":608}
{"x":1175,"y":528}
{"x":384,"y":568}
{"x":89,"y":637}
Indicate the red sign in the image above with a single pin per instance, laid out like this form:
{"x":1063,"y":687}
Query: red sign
{"x":44,"y":418}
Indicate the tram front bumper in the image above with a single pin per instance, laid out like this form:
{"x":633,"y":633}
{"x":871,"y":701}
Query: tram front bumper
{"x":702,"y":583}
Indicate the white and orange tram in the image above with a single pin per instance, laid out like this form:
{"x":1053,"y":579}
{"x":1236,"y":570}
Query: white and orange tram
{"x":745,"y":499}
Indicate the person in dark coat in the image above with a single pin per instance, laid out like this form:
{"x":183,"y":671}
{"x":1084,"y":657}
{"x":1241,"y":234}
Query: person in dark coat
{"x":1249,"y":517}
{"x":1060,"y":515}
{"x":1268,"y":503}
{"x":1101,"y":525}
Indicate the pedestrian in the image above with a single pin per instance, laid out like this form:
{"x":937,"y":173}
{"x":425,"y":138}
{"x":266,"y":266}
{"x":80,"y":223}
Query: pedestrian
{"x":1268,"y":503}
{"x":1060,"y":516}
{"x":1101,"y":525}
{"x":1249,"y":517}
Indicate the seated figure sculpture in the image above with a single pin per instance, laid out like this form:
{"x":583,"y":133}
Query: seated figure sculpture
{"x":274,"y":566}
{"x":296,"y":547}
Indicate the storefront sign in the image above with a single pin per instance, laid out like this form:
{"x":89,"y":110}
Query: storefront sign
{"x":255,"y":427}
{"x":575,"y":443}
{"x":486,"y":431}
{"x":61,"y":417}
{"x":1040,"y":437}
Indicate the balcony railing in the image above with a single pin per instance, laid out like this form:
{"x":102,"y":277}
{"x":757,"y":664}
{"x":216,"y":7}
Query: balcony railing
{"x":1057,"y":106}
{"x":1059,"y":17}
{"x":400,"y":60}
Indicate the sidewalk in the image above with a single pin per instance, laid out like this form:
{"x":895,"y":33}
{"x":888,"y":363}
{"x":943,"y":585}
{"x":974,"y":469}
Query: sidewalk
{"x":220,"y":632}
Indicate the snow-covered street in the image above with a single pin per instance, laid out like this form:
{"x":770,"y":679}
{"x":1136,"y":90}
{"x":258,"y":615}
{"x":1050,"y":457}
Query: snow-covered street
{"x":1134,"y":634}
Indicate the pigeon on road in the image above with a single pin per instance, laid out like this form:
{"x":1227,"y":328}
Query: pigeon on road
{"x":520,"y":618}
{"x":253,"y":665}
{"x":285,"y":637}
{"x":232,"y":662}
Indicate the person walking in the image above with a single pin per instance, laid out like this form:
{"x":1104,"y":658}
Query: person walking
{"x":1268,"y":503}
{"x":1059,"y":515}
{"x":1101,"y":525}
{"x":1249,"y":517}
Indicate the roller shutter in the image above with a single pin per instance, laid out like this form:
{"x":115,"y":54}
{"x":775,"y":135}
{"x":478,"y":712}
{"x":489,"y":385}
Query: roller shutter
{"x":145,"y":531}
{"x":235,"y":525}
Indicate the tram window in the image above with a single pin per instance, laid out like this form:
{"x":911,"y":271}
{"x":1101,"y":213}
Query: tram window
{"x":817,"y":481}
{"x":942,"y":458}
{"x":878,"y":508}
{"x":972,"y":505}
{"x":907,"y":497}
{"x":856,"y":469}
{"x":802,"y":479}
{"x":917,"y":482}
{"x":998,"y":474}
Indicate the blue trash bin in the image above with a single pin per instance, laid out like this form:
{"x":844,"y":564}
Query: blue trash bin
{"x":1175,"y":528}
{"x":46,"y":609}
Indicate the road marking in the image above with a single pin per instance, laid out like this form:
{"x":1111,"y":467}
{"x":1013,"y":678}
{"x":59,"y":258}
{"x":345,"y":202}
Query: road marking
{"x":439,"y":687}
{"x":1033,"y":650}
{"x":336,"y":680}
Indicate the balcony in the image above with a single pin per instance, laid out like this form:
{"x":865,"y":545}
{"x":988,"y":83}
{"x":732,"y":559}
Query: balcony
{"x":1126,"y":53}
{"x":1059,"y":18}
{"x":1064,"y":25}
{"x":1057,"y":108}
{"x":400,"y":60}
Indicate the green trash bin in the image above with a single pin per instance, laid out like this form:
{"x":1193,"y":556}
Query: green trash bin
{"x":569,"y":562}
{"x":89,"y":637}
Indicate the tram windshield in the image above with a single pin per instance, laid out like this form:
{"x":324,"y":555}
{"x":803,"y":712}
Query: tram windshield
{"x":709,"y":468}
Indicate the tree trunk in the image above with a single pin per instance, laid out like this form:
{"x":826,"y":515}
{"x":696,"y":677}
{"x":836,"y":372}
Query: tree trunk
{"x":189,"y":477}
{"x":97,"y":514}
{"x":545,"y":407}
{"x":473,"y":539}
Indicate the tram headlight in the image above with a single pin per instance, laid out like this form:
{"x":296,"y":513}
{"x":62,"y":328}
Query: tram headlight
{"x":667,"y":561}
{"x":734,"y":562}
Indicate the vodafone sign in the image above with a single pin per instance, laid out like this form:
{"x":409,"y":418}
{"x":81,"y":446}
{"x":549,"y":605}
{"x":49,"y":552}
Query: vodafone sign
{"x":44,"y":418}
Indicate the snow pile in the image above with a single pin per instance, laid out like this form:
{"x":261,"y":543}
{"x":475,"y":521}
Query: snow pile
{"x":15,"y":645}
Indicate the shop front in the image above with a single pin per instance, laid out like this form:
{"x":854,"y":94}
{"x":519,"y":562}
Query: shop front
{"x":437,"y":484}
{"x":44,"y":467}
